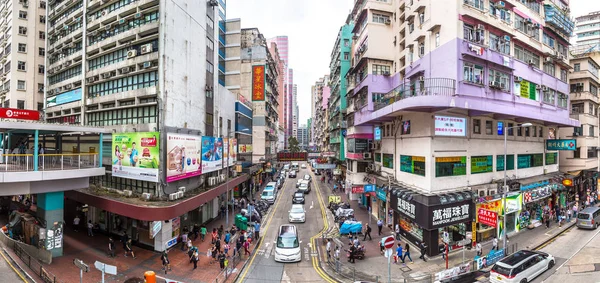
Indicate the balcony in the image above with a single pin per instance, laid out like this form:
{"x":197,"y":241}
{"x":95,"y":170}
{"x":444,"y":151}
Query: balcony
{"x":558,"y":19}
{"x":426,"y":87}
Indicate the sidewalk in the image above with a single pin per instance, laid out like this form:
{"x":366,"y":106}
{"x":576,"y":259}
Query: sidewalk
{"x":374,"y":266}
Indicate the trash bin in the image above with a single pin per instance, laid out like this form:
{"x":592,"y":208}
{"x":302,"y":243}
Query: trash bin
{"x":243,"y":223}
{"x":238,"y":220}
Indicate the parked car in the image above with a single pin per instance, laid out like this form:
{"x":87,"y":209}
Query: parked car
{"x":298,"y":197}
{"x":522,"y":266}
{"x":297,"y":213}
{"x":589,"y":218}
{"x":292,"y":174}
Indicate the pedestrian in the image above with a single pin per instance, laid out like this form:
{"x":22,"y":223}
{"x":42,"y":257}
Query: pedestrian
{"x":423,"y":249}
{"x":76,"y":221}
{"x":379,"y":226}
{"x":328,"y":249}
{"x":407,"y":253}
{"x":398,"y":254}
{"x":547,"y":220}
{"x":214,"y":253}
{"x":90,"y":228}
{"x":165,"y":261}
{"x":227,"y":237}
{"x":221,"y":258}
{"x":184,"y":240}
{"x":220,"y":231}
{"x":575,"y":210}
{"x":256,"y":230}
{"x":196,"y":230}
{"x":569,"y":213}
{"x":218,"y":245}
{"x":336,"y":254}
{"x":368,"y":233}
{"x":202,"y":232}
{"x":195,"y":259}
{"x":238,"y":248}
{"x":495,"y":244}
{"x":128,"y":249}
{"x":397,"y":231}
{"x":222,"y":211}
{"x":246,"y":246}
{"x":242,"y":236}
{"x":214,"y":236}
{"x":352,"y":253}
{"x":189,"y":244}
{"x":381,"y":247}
{"x":111,"y":247}
{"x":445,"y":251}
{"x":209,"y":255}
{"x":478,"y":249}
{"x":356,"y":242}
{"x":226,"y":248}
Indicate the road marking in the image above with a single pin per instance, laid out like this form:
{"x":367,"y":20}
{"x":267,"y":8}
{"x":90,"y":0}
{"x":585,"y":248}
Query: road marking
{"x":312,"y":204}
{"x":306,"y":254}
{"x":315,"y":259}
{"x":596,"y":234}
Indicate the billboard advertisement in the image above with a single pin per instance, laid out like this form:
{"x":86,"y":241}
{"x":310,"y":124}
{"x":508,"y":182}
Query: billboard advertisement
{"x":19,"y":114}
{"x":69,"y":96}
{"x":230,"y":154}
{"x":212,"y":154}
{"x":183,"y":156}
{"x":450,"y":126}
{"x":136,"y":155}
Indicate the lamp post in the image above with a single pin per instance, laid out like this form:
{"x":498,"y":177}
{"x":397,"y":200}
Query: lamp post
{"x":504,"y":188}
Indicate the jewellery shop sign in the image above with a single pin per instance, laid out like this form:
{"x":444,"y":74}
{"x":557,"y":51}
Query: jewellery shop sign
{"x":432,"y":217}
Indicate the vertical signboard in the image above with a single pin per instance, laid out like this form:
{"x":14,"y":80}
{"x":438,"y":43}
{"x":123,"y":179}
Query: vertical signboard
{"x":212,"y":153}
{"x":258,"y":83}
{"x":230,"y":154}
{"x":136,"y":155}
{"x":183,"y":156}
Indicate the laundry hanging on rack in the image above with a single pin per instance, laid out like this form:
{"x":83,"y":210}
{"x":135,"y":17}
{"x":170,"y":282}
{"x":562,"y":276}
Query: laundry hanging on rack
{"x":477,"y":49}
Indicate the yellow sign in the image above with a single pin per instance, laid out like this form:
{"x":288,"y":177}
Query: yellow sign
{"x":525,"y":89}
{"x":335,"y":199}
{"x":474,"y":230}
{"x":448,"y":159}
{"x":418,"y":158}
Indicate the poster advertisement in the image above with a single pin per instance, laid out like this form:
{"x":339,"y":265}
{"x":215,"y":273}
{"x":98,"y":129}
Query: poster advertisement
{"x":450,"y":126}
{"x":230,"y":154}
{"x":212,"y":154}
{"x":136,"y":155}
{"x":183,"y":156}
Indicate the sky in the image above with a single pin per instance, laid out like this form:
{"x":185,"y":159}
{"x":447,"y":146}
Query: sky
{"x":311,"y":27}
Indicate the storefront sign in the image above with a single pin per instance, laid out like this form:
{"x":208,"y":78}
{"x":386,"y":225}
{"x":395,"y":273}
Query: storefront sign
{"x":406,"y":207}
{"x":450,"y":126}
{"x":377,"y":134}
{"x":19,"y":114}
{"x":337,"y":172}
{"x":328,"y":154}
{"x":171,"y":242}
{"x":537,"y":194}
{"x":230,"y":151}
{"x":324,"y":166}
{"x":212,"y":153}
{"x":474,"y":231}
{"x":534,"y":185}
{"x":258,"y":83}
{"x":183,"y":156}
{"x":155,"y":228}
{"x":369,"y":188}
{"x":570,"y":144}
{"x":513,"y":203}
{"x":358,"y":189}
{"x":244,"y":148}
{"x":381,"y":194}
{"x":500,"y":128}
{"x":136,"y":155}
{"x":487,"y":217}
{"x":450,"y":215}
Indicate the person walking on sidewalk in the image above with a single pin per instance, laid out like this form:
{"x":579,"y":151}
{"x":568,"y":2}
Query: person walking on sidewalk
{"x":328,"y":248}
{"x":195,"y":259}
{"x":381,"y":247}
{"x":368,"y":233}
{"x":569,"y":213}
{"x":196,"y":230}
{"x":547,"y":220}
{"x":165,"y":262}
{"x":76,"y":221}
{"x":423,"y":249}
{"x":203,"y":232}
{"x":128,"y":249}
{"x":221,"y":258}
{"x":398,"y":255}
{"x":238,"y":247}
{"x":90,"y":228}
{"x":397,"y":231}
{"x":336,"y":254}
{"x":256,"y":230}
{"x":111,"y":247}
{"x":218,"y":245}
{"x":220,"y":231}
{"x":246,"y":246}
{"x":407,"y":253}
{"x":352,"y":253}
{"x":379,"y":226}
{"x":478,"y":249}
{"x":495,"y":244}
{"x":227,"y":237}
{"x":214,"y":236}
{"x":184,"y":240}
{"x":445,"y":251}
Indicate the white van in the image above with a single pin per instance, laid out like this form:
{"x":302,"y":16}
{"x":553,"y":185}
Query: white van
{"x":295,"y":166}
{"x":288,"y":244}
{"x":270,"y":193}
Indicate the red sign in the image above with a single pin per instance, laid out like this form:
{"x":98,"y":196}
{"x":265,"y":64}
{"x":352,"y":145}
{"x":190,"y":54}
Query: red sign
{"x":258,"y":83}
{"x":292,"y":156}
{"x":358,"y":189}
{"x":487,"y":217}
{"x":20,"y":114}
{"x":388,"y":242}
{"x":149,"y":142}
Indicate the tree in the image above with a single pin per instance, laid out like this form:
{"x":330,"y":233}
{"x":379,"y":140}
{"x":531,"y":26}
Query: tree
{"x":293,"y":144}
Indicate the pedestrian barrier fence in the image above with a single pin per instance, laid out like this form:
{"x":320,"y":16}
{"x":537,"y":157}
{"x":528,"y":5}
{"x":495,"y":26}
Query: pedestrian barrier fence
{"x":48,"y":162}
{"x":35,"y":266}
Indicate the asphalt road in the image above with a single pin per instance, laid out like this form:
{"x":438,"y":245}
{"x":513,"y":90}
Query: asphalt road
{"x":7,"y":273}
{"x":573,"y":250}
{"x":262,"y":267}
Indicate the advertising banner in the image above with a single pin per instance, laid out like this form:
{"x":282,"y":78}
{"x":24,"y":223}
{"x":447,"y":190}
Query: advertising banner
{"x":369,"y":188}
{"x":487,"y":217}
{"x":570,"y":144}
{"x":358,"y":189}
{"x":450,"y":126}
{"x":230,"y":147}
{"x":324,"y":166}
{"x":245,"y":148}
{"x":155,"y":227}
{"x":258,"y":83}
{"x":136,"y":155}
{"x":66,"y":97}
{"x":19,"y":114}
{"x":212,"y":154}
{"x":453,"y":272}
{"x":183,"y":156}
{"x":377,"y":134}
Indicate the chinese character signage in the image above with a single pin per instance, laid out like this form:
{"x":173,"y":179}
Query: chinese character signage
{"x":258,"y":83}
{"x":358,"y":189}
{"x":136,"y":155}
{"x":244,"y":148}
{"x":54,"y":236}
{"x":294,"y":156}
{"x":183,"y":156}
{"x":500,"y":128}
{"x":487,"y":217}
{"x":406,"y":207}
{"x":19,"y":114}
{"x":450,"y":126}
{"x":561,"y":144}
{"x":482,"y":164}
{"x":451,"y":214}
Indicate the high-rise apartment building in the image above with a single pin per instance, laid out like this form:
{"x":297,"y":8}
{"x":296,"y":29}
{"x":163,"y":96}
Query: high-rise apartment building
{"x":133,"y":67}
{"x":290,"y":102}
{"x":284,"y":112}
{"x":430,"y":111}
{"x":320,"y":135}
{"x":302,"y":137}
{"x":587,"y":30}
{"x":22,"y":54}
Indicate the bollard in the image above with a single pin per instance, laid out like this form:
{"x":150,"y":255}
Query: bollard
{"x":337,"y":265}
{"x":353,"y":274}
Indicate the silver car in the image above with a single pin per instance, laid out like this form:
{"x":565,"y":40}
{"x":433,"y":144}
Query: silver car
{"x":297,"y":213}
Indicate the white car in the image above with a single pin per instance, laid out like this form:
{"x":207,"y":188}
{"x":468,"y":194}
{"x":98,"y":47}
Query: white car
{"x":521,"y":267}
{"x":303,"y":166}
{"x":297,"y":213}
{"x":287,"y":248}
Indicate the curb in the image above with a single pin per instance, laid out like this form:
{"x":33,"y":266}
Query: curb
{"x":235,"y":279}
{"x":551,"y":239}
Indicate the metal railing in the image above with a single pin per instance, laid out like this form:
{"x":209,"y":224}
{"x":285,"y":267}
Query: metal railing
{"x":425,"y":87}
{"x":35,"y":265}
{"x":48,"y":162}
{"x":227,"y":273}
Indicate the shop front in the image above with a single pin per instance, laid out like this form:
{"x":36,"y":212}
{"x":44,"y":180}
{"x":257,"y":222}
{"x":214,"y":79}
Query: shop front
{"x":540,"y":197}
{"x":512,"y":212}
{"x":380,"y":203}
{"x":488,"y":211}
{"x":434,"y":220}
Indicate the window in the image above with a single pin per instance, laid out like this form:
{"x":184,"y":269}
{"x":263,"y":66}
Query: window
{"x":577,"y":87}
{"x":563,"y":75}
{"x":21,"y":85}
{"x":592,"y":108}
{"x":577,"y":67}
{"x":549,"y":96}
{"x":118,"y":55}
{"x":500,"y":78}
{"x":520,"y":24}
{"x":593,"y":68}
{"x":478,"y":4}
{"x":41,"y":88}
{"x":593,"y":89}
{"x":379,"y":18}
{"x":22,"y":47}
{"x":346,"y":55}
{"x":562,"y":100}
{"x":210,"y":23}
{"x":437,"y":39}
{"x":42,"y":51}
{"x":209,"y":119}
{"x":592,"y":152}
{"x":591,"y":131}
{"x":23,"y":15}
{"x":22,"y":31}
{"x":21,"y":66}
{"x":530,"y":160}
{"x":482,"y":164}
{"x":123,"y":116}
{"x":411,"y":27}
{"x":527,"y":132}
{"x":210,"y":44}
{"x":473,"y":73}
{"x":527,"y":56}
{"x":534,"y":131}
{"x":42,"y":19}
{"x":499,"y":44}
{"x":577,"y":108}
{"x":450,"y":166}
{"x":421,"y":18}
{"x":209,"y":67}
{"x":64,"y":75}
{"x":473,"y":35}
{"x":43,"y":4}
{"x":412,"y":164}
{"x":346,"y":42}
{"x":42,"y":35}
{"x":488,"y":128}
{"x":550,"y":69}
{"x":388,"y":161}
{"x":502,"y":14}
{"x":510,"y":129}
{"x":381,"y":70}
{"x":41,"y":69}
{"x":476,"y":126}
{"x":20,"y":104}
{"x":510,"y":165}
{"x":578,"y":131}
{"x":40,"y":106}
{"x":548,"y":40}
{"x":421,"y":49}
{"x":520,"y":131}
{"x":209,"y":93}
{"x":137,"y":81}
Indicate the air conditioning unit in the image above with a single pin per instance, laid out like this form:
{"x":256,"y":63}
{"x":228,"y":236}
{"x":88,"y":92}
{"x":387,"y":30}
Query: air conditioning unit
{"x":529,"y":21}
{"x":146,"y":48}
{"x":59,"y":89}
{"x":500,"y":5}
{"x":67,"y":63}
{"x":495,"y":84}
{"x":58,"y":68}
{"x":421,"y":78}
{"x":548,"y":59}
{"x":367,"y":155}
{"x":386,"y":73}
{"x":372,"y":146}
{"x":93,"y":33}
{"x":492,"y":192}
{"x":480,"y":26}
{"x":212,"y":181}
{"x":107,"y":75}
{"x":222,"y":177}
{"x":65,"y":26}
{"x":530,"y":62}
{"x":128,"y":192}
{"x":507,"y":38}
{"x":147,"y":65}
{"x":146,"y":196}
{"x":173,"y":196}
{"x":377,"y":168}
{"x":72,"y":45}
{"x":518,"y":79}
{"x":138,"y":15}
{"x":126,"y":70}
{"x":544,"y":88}
{"x":122,"y":21}
{"x":108,"y":27}
{"x":68,"y":86}
{"x":388,"y":22}
{"x":131,"y":53}
{"x":90,"y":80}
{"x":181,"y":189}
{"x":103,"y":13}
{"x":180,"y":194}
{"x":561,"y":57}
{"x":41,"y":89}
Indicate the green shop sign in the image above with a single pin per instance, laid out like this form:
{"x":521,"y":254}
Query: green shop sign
{"x":570,"y":144}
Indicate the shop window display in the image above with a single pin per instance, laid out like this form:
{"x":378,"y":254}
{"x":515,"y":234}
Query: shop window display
{"x":411,"y":228}
{"x":455,"y":233}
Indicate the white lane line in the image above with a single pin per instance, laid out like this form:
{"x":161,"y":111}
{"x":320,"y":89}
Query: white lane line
{"x":312,"y":204}
{"x":573,"y":255}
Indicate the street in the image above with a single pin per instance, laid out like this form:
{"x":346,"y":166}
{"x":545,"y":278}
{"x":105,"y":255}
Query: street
{"x":262,"y":266}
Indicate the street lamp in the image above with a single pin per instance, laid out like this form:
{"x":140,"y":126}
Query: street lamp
{"x":504,"y":188}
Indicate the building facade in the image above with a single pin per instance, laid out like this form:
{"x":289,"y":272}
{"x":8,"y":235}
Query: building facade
{"x":587,"y":30}
{"x":320,"y":126}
